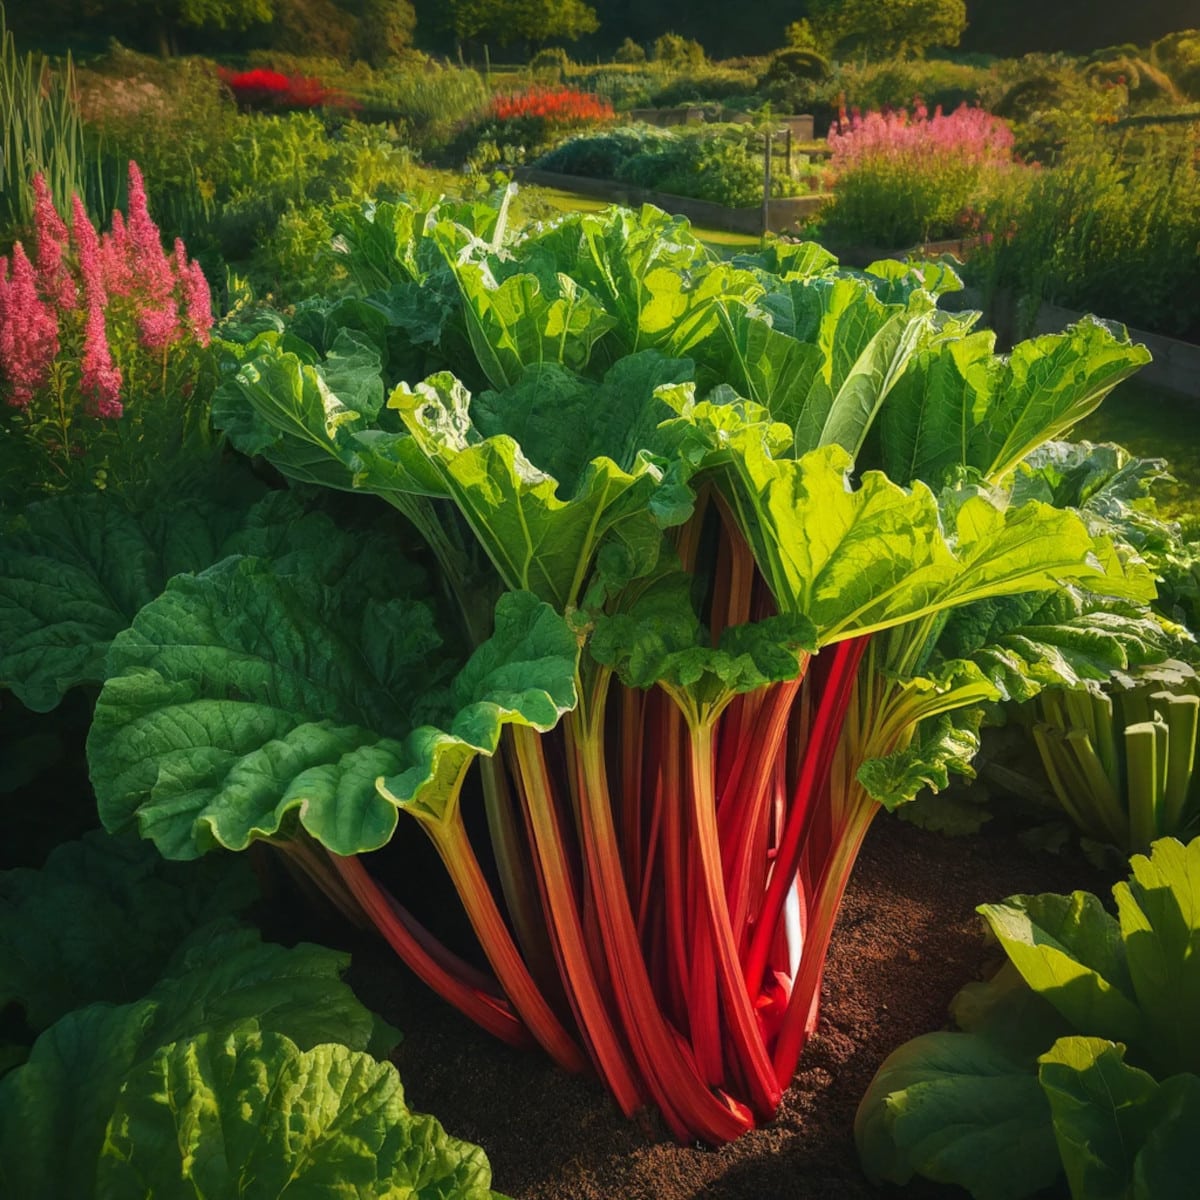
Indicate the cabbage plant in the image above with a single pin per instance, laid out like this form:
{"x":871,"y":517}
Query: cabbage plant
{"x":661,"y":549}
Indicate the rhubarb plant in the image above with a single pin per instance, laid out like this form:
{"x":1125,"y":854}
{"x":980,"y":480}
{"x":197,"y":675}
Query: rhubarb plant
{"x":653,"y":607}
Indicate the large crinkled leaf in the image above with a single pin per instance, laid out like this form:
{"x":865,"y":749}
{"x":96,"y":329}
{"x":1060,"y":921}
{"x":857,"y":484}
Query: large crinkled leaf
{"x":524,"y":674}
{"x":247,"y":1114}
{"x":659,"y":640}
{"x":562,"y":421}
{"x":1169,"y":1162}
{"x":1069,"y":637}
{"x":243,"y":700}
{"x":933,"y":421}
{"x":280,"y":400}
{"x":538,"y":540}
{"x":940,"y":745}
{"x":958,"y":404}
{"x":226,"y":973}
{"x":523,"y":321}
{"x":76,"y":569}
{"x":625,"y":258}
{"x":761,"y":362}
{"x":100,"y":920}
{"x":1069,"y":950}
{"x":867,"y":348}
{"x":55,"y":1107}
{"x":1159,"y":912}
{"x":1115,"y":1124}
{"x":958,"y":1108}
{"x":859,"y":559}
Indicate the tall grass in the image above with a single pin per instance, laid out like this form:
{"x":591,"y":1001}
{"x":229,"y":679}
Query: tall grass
{"x":40,"y":130}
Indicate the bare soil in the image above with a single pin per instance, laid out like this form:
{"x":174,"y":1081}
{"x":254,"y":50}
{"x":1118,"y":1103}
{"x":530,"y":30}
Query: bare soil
{"x":906,"y":941}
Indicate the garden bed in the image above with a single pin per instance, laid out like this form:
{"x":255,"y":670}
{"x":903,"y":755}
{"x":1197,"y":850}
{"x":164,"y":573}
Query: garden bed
{"x":783,"y":214}
{"x":906,"y":940}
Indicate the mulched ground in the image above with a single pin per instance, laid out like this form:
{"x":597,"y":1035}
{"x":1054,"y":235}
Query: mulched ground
{"x":907,"y":939}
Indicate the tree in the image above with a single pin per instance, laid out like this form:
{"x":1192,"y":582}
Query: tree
{"x":385,"y":29}
{"x":533,"y":21}
{"x":164,"y":19}
{"x":887,"y":28}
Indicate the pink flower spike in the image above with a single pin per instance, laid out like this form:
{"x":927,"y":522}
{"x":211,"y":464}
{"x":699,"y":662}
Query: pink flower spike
{"x":87,"y":248}
{"x":198,"y":302}
{"x":115,"y":256}
{"x":28,"y":333}
{"x":99,"y":379}
{"x":159,"y":327}
{"x":54,"y":280}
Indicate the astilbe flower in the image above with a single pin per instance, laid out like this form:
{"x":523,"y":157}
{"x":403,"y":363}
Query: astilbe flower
{"x":158,"y":318}
{"x":99,"y":378}
{"x":968,"y":134}
{"x":118,"y":289}
{"x":197,"y":300}
{"x":28,"y":331}
{"x":53,"y":277}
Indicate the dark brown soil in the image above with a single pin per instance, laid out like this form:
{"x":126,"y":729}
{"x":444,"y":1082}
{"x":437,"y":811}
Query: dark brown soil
{"x":907,"y":939}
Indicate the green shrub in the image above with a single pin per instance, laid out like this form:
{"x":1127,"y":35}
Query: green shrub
{"x":551,"y":62}
{"x":673,"y":50}
{"x":1106,"y":231}
{"x":713,"y":83}
{"x":1179,"y":55}
{"x":629,"y":51}
{"x":723,"y":165}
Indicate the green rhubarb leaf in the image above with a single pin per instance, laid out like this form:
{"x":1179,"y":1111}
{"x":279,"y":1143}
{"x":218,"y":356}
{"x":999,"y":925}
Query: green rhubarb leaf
{"x":958,"y":404}
{"x":279,"y":400}
{"x":244,"y":701}
{"x":248,"y":1114}
{"x":659,"y":640}
{"x":562,"y":421}
{"x":55,"y":1107}
{"x":1069,"y":950}
{"x":524,"y":674}
{"x":78,"y":568}
{"x":1070,"y":637}
{"x":855,"y":560}
{"x":100,"y":920}
{"x":1051,"y":383}
{"x":941,"y":745}
{"x":1106,"y":1111}
{"x":525,"y":320}
{"x":1159,"y":912}
{"x":867,"y":348}
{"x":1169,"y":1162}
{"x":538,"y":539}
{"x":646,"y":268}
{"x":954,"y":1107}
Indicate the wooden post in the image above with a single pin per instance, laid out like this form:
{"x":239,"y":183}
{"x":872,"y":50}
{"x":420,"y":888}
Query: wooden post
{"x":487,"y":66}
{"x":789,"y":153}
{"x":766,"y":205}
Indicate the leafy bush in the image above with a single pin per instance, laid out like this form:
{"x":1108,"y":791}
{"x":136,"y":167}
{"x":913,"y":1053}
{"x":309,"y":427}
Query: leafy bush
{"x":714,"y":163}
{"x":900,"y":180}
{"x":673,"y":50}
{"x":1081,"y":1057}
{"x":1107,"y":230}
{"x":712,"y":83}
{"x":1178,"y":54}
{"x":629,"y":51}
